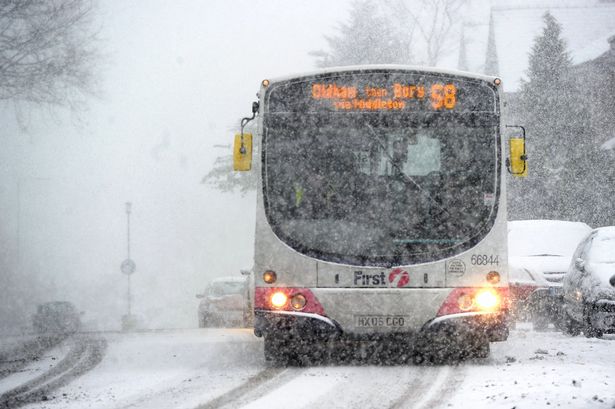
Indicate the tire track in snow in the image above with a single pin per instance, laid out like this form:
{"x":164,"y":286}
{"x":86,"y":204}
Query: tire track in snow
{"x":16,"y":358}
{"x":242,"y":394}
{"x":85,"y":355}
{"x":431,"y":390}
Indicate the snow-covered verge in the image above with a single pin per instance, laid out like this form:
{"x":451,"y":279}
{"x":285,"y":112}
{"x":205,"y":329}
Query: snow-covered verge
{"x":541,"y":369}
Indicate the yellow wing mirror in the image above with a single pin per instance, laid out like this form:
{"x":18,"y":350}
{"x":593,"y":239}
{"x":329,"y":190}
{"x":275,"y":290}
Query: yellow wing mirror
{"x":242,"y":152}
{"x":242,"y":148}
{"x":517,"y":161}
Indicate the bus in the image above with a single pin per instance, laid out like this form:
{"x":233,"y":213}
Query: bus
{"x":381,"y":210}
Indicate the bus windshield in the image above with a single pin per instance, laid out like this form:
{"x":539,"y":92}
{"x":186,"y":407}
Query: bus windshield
{"x":360,"y":189}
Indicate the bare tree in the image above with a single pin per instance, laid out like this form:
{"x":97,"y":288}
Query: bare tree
{"x":434,"y":20}
{"x":48,"y":51}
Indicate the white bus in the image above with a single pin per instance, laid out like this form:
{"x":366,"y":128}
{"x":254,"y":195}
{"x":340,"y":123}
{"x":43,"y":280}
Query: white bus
{"x":381,"y":210}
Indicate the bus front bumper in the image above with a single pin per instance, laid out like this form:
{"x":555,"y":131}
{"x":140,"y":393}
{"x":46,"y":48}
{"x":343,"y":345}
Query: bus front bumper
{"x":491,"y":326}
{"x":296,"y":323}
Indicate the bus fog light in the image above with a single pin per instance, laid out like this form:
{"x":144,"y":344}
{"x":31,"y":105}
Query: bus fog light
{"x":278,"y":299}
{"x":270,"y":277}
{"x":465,"y":302}
{"x":493,"y":277}
{"x":298,"y":301}
{"x":487,"y":299}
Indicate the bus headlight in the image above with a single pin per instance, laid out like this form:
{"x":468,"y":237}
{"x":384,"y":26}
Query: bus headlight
{"x":487,"y":299}
{"x":279,"y":299}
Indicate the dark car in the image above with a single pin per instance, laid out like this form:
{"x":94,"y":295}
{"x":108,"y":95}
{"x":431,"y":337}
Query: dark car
{"x":224,"y":303}
{"x":60,"y":317}
{"x":540,"y":252}
{"x":589,"y":286}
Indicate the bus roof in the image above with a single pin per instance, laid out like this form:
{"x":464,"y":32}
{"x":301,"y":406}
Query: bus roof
{"x":369,"y":67}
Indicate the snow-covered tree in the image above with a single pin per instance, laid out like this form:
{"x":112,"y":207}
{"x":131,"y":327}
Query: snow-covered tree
{"x":223,"y":178}
{"x":368,"y":37}
{"x":557,"y":126}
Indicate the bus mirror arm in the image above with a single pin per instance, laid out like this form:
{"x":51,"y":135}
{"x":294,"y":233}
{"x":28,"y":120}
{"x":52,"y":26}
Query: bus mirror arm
{"x":244,"y":122}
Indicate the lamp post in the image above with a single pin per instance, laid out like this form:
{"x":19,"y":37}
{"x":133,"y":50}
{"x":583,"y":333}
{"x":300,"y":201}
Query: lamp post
{"x":128,"y":267}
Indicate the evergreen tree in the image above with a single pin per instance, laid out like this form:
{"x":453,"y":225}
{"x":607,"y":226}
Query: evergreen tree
{"x":557,"y":126}
{"x":367,"y":38}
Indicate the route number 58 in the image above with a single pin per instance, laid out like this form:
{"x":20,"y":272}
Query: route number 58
{"x":443,"y":96}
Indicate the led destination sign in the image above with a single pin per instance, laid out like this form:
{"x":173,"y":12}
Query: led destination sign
{"x":378,"y":92}
{"x":442,"y":96}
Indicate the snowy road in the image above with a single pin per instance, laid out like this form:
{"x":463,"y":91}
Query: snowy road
{"x":224,"y":368}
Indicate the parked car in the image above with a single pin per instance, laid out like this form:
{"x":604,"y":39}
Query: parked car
{"x":522,"y":285}
{"x":225,"y":302}
{"x":589,"y":286}
{"x":540,"y":252}
{"x":58,"y":317}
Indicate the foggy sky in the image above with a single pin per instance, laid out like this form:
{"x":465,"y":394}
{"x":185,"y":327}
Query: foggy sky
{"x":177,"y":77}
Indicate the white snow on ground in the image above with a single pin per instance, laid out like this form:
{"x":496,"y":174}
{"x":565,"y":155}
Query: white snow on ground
{"x":165,"y":369}
{"x":187,"y":368}
{"x":542,"y":369}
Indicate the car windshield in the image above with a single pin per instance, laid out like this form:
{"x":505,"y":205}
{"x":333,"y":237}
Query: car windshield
{"x":228,"y":288}
{"x":602,"y":250}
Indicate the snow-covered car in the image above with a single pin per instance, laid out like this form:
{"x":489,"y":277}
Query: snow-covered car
{"x":540,"y":252}
{"x":225,"y":302}
{"x":58,"y":317}
{"x":589,"y":286}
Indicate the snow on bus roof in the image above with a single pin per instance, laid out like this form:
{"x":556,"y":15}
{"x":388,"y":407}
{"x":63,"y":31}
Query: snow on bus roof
{"x":368,"y":67}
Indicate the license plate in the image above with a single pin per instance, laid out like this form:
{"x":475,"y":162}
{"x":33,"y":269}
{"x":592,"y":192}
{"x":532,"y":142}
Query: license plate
{"x":554,"y":291}
{"x":379,"y":321}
